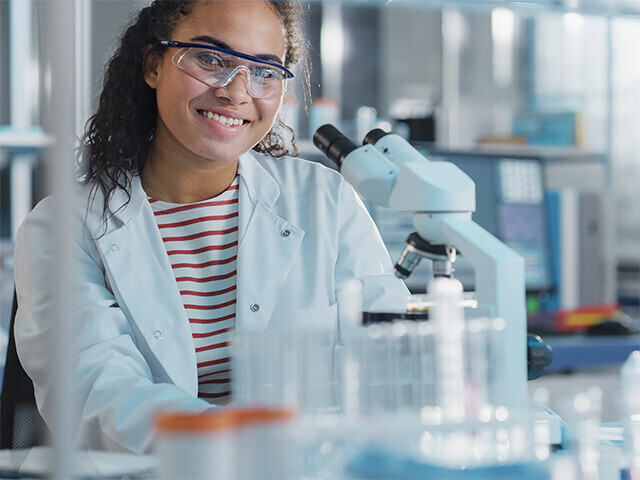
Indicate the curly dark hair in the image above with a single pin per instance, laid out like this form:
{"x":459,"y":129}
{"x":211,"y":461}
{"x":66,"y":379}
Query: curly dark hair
{"x":117,"y":138}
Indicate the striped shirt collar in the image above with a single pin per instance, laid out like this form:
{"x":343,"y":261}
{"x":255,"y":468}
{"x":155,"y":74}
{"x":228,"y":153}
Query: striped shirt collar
{"x":255,"y":181}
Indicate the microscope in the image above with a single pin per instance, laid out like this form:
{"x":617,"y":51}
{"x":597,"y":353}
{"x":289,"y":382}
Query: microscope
{"x":386,"y":170}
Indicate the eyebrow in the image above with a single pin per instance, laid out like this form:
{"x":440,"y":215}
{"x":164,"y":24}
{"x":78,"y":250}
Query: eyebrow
{"x":219,"y":43}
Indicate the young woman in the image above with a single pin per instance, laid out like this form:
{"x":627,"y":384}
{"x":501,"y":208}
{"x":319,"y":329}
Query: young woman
{"x":191,"y":223}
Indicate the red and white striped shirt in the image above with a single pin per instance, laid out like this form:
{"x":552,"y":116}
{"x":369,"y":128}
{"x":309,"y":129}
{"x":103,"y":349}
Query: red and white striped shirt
{"x":202,"y":243}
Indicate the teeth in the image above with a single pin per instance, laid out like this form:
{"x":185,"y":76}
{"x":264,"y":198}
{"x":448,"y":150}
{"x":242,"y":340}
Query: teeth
{"x":222,"y":119}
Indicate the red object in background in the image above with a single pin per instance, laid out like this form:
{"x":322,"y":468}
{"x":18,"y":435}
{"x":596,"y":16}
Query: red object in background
{"x":585,"y":317}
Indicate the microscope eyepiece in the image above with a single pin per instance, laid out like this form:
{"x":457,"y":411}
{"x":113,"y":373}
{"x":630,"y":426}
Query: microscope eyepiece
{"x":333,"y":143}
{"x":373,"y":136}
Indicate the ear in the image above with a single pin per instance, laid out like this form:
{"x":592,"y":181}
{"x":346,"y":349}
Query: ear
{"x":151,"y":67}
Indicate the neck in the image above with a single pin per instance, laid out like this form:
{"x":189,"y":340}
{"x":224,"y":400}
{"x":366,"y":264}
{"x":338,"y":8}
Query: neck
{"x":177,"y":177}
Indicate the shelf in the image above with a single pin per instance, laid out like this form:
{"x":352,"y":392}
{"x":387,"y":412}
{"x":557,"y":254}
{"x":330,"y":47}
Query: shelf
{"x":609,"y":8}
{"x":24,"y":141}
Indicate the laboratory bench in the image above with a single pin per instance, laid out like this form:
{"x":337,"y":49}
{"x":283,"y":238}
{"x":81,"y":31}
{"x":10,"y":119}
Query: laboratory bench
{"x":367,"y":464}
{"x":581,"y":361}
{"x":583,"y":351}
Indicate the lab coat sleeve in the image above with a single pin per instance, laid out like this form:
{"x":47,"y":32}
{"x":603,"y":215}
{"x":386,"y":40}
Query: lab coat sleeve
{"x":115,"y":393}
{"x":363,"y":255}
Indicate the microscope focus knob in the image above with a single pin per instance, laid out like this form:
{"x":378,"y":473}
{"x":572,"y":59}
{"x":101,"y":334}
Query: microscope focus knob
{"x":539,"y":356}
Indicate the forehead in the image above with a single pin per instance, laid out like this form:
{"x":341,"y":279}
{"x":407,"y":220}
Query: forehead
{"x":249,"y":26}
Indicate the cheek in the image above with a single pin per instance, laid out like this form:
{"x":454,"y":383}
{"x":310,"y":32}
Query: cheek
{"x":269,"y":108}
{"x":174,"y":94}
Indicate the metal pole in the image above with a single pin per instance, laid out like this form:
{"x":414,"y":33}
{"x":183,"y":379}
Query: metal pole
{"x":62,"y":56}
{"x":608,"y":200}
{"x":332,"y":50}
{"x":22,"y":78}
{"x":451,"y":40}
{"x":83,"y":47}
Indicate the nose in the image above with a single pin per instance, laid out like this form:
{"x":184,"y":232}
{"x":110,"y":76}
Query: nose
{"x":238,"y":82}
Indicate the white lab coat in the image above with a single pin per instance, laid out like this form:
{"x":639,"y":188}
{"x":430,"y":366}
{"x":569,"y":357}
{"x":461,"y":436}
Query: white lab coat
{"x":303,"y":232}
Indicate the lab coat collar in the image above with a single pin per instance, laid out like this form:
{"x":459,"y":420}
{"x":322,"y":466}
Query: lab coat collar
{"x":123,"y":207}
{"x":268,"y":244}
{"x":260,"y":185}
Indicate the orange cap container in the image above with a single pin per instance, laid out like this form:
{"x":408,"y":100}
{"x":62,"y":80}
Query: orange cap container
{"x":222,"y":419}
{"x":255,"y":415}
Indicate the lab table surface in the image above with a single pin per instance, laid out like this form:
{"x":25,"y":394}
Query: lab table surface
{"x":582,"y":351}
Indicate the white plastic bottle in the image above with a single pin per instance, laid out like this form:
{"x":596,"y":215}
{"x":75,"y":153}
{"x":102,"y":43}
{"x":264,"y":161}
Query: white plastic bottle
{"x":197,"y":446}
{"x":265,"y":448}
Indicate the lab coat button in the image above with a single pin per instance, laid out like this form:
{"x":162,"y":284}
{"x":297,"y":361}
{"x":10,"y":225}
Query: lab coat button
{"x":115,"y":248}
{"x":285,"y":233}
{"x":157,"y":334}
{"x":254,"y":307}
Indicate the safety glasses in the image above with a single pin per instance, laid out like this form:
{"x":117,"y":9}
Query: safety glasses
{"x":217,"y":67}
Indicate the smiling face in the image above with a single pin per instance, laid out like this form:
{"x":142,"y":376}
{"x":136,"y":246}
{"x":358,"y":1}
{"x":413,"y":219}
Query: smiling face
{"x":205,"y":124}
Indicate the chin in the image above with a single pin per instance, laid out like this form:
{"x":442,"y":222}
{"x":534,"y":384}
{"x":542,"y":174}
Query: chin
{"x":222,"y":157}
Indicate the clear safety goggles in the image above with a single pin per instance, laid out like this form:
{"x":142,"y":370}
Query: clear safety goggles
{"x":217,"y":67}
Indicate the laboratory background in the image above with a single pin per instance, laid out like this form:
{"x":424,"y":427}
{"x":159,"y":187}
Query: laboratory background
{"x":537,"y":101}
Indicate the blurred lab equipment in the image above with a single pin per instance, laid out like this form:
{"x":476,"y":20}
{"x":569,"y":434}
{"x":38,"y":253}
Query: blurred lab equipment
{"x":196,"y":446}
{"x":389,"y":172}
{"x":225,"y":443}
{"x":413,"y":394}
{"x":366,"y":118}
{"x":416,"y":116}
{"x":290,"y":368}
{"x":630,"y":389}
{"x":323,"y":110}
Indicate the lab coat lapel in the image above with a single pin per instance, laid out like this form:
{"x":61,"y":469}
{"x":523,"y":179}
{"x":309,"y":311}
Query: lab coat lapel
{"x":268,"y":245}
{"x":136,"y":260}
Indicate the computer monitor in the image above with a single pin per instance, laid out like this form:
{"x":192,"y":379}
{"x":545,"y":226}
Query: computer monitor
{"x":510,"y":204}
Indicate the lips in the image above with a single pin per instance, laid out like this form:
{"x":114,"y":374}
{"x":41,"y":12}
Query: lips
{"x":223,"y":120}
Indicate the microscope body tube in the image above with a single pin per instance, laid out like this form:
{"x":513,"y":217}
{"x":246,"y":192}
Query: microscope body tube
{"x":438,"y":187}
{"x":424,"y":185}
{"x":370,"y":173}
{"x":396,"y":148}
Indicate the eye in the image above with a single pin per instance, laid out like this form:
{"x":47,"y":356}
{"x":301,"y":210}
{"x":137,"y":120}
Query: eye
{"x":267,"y":73}
{"x":208,"y":60}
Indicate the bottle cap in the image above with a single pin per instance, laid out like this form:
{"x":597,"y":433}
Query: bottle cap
{"x":223,"y":419}
{"x":254,"y":415}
